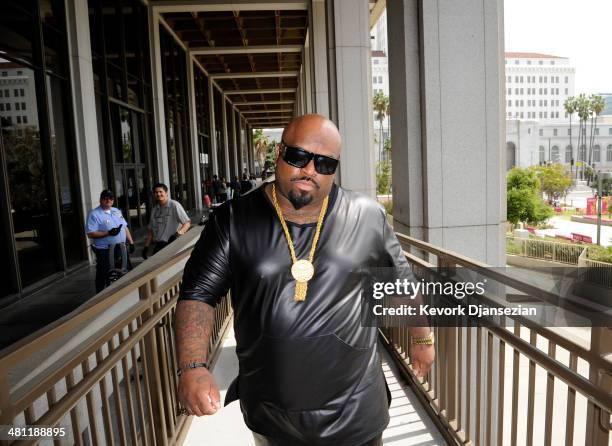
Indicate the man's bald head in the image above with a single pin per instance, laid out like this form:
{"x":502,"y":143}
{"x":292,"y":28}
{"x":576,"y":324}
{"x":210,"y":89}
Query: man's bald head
{"x":305,"y":186}
{"x":314,"y":130}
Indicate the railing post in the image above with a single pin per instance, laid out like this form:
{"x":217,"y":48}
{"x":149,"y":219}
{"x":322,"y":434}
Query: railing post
{"x":152,"y":363}
{"x":598,"y":421}
{"x":6,"y":408}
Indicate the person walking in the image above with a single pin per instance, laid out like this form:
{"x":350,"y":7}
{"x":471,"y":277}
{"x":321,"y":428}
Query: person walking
{"x":168,"y":221}
{"x":245,"y":184}
{"x":223,"y":190}
{"x":107,"y":228}
{"x":235,"y":187}
{"x":310,"y":373}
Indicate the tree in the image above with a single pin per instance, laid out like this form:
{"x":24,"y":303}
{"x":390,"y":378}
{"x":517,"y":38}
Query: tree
{"x":383,"y":178}
{"x":570,"y":108}
{"x":596,"y":106}
{"x":380,"y":103}
{"x":261,"y":142}
{"x":583,"y":114}
{"x":554,"y":179}
{"x":524,"y":203}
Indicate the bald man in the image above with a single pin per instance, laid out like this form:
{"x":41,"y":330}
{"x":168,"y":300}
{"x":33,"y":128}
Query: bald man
{"x":310,"y":373}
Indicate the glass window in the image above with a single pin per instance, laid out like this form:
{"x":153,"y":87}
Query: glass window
{"x":609,"y":153}
{"x":174,"y":70}
{"x":542,"y":154}
{"x":568,"y":154}
{"x":596,"y":153}
{"x":555,"y":154}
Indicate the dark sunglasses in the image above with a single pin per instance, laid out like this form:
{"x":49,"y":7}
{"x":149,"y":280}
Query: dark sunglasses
{"x":298,"y":157}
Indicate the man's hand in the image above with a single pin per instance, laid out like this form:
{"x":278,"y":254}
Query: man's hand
{"x":131,"y":248}
{"x":198,"y":392}
{"x":115,"y":231}
{"x":421,"y":358}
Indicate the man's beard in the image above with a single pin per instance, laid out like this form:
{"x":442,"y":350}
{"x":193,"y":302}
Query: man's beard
{"x":299,"y":200}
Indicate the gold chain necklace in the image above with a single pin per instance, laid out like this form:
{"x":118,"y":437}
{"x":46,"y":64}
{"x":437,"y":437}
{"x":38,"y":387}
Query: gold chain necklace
{"x":301,"y":270}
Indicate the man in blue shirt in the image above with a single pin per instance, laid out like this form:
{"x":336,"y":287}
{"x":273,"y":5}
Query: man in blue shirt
{"x":106,"y":226}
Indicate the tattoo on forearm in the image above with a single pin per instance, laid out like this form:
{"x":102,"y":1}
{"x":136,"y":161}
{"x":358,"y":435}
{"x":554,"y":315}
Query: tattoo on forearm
{"x":193,"y":325}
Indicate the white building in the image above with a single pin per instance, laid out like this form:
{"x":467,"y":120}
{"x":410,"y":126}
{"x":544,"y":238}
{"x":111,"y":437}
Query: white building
{"x":17,"y":106}
{"x":531,"y":142}
{"x":537,"y":85}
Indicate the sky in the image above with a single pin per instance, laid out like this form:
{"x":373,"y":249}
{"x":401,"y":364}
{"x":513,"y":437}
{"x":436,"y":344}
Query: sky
{"x":578,"y":29}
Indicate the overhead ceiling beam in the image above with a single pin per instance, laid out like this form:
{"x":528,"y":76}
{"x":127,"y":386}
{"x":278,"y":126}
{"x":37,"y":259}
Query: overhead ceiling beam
{"x":261,"y":91}
{"x":250,"y":75}
{"x":263,"y":103}
{"x":277,"y":110}
{"x":270,"y":118}
{"x":252,"y":49}
{"x":220,"y":5}
{"x":376,"y":12}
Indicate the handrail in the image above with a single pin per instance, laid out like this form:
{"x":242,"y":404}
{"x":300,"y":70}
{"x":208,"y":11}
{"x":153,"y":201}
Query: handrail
{"x":100,"y":302}
{"x":119,"y":388}
{"x":486,"y":270}
{"x":475,"y":363}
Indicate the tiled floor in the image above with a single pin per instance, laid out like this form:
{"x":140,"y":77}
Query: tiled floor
{"x":409,"y":425}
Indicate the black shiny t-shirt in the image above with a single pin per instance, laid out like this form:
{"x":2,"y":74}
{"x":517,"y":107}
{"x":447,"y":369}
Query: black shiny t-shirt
{"x":309,"y":372}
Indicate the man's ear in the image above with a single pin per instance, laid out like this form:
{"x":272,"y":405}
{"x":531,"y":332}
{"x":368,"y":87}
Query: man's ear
{"x":278,"y":151}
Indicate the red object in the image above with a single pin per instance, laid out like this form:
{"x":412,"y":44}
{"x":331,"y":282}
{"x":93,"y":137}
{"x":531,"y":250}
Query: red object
{"x":206,"y":200}
{"x":582,"y":238}
{"x":531,"y":230}
{"x":558,"y":210}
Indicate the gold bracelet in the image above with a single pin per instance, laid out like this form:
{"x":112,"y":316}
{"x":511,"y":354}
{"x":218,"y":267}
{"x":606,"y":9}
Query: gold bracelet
{"x":425,"y":340}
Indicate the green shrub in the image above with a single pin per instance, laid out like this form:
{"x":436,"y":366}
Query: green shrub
{"x":513,"y":247}
{"x":600,"y":254}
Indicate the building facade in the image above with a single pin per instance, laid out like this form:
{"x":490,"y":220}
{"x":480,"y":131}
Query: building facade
{"x":537,"y":86}
{"x":532,"y":143}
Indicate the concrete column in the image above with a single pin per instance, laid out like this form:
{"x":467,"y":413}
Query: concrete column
{"x":319,"y":53}
{"x":195,"y":146}
{"x":84,"y":105}
{"x":159,"y":114}
{"x":308,"y":75}
{"x":236,"y":140}
{"x":226,"y":168}
{"x":448,"y":142}
{"x":242,"y":157}
{"x":353,"y":94}
{"x":249,"y":147}
{"x":212,"y":129}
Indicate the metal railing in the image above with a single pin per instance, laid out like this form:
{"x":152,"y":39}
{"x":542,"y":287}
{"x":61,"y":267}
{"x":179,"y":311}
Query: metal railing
{"x":595,"y":271}
{"x":505,"y":385}
{"x":120,"y":387}
{"x":544,"y":249}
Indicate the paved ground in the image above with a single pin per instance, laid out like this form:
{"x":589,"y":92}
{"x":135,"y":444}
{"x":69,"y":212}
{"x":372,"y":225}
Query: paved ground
{"x":409,"y":425}
{"x":566,"y":227}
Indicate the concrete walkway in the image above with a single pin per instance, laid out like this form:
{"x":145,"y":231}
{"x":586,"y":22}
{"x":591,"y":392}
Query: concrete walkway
{"x":409,"y":423}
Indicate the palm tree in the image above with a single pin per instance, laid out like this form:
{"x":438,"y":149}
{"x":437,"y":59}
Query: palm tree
{"x":570,"y":108}
{"x":261,"y":142}
{"x":380,"y":103}
{"x":583,"y":114}
{"x":596,"y":106}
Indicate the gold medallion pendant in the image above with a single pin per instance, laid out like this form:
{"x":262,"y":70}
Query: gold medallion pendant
{"x":301,"y":270}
